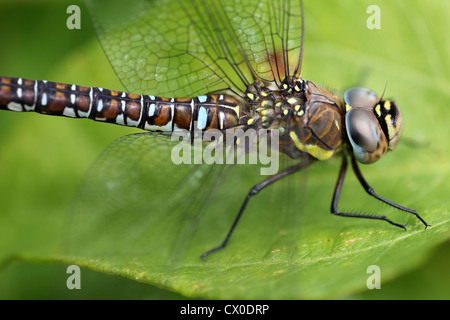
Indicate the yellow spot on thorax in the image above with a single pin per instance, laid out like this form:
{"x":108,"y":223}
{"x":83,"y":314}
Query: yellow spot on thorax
{"x":237,"y":110}
{"x":267,"y":112}
{"x":315,"y":151}
{"x":266,"y":103}
{"x":292,"y":100}
{"x":337,"y":124}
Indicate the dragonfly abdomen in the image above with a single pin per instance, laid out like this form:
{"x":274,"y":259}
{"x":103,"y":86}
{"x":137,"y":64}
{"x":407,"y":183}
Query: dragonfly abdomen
{"x":133,"y":110}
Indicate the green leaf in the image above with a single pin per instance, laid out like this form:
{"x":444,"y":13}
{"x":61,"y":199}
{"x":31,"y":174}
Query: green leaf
{"x":150,"y":224}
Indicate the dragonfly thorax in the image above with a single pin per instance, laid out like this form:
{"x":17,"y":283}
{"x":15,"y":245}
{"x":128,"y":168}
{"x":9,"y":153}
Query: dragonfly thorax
{"x":307,"y":117}
{"x":268,"y":105}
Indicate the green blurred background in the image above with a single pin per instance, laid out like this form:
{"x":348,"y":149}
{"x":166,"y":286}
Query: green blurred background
{"x":43,"y":159}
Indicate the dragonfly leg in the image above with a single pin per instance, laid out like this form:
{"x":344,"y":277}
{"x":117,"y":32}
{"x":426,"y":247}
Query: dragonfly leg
{"x":254,"y":191}
{"x":370,"y":191}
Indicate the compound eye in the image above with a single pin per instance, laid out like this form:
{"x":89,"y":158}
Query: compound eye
{"x":365,"y":135}
{"x":362,"y":129}
{"x":360,"y":98}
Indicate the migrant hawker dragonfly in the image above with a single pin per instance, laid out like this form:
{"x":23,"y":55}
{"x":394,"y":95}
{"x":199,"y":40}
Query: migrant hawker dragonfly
{"x":220,"y":66}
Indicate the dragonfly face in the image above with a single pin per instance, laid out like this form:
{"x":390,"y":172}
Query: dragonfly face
{"x":373,"y":125}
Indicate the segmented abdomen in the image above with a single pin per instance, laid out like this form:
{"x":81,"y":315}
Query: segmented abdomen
{"x":128,"y":109}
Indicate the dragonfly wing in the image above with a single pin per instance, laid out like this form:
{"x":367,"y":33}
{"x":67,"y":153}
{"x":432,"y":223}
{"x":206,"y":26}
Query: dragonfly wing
{"x":135,"y":202}
{"x":270,"y":34}
{"x":135,"y":198}
{"x":194,"y":47}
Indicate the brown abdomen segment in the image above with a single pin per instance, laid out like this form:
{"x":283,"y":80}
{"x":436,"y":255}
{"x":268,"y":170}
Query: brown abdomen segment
{"x":142,"y":111}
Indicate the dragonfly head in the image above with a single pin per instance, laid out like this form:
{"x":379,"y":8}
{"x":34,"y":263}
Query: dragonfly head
{"x":373,"y":125}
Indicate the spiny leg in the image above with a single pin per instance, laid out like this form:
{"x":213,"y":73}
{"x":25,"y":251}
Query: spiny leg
{"x":255,"y":190}
{"x":370,"y":191}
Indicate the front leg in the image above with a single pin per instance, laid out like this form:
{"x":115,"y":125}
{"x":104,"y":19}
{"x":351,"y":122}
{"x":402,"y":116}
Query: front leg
{"x":337,"y":191}
{"x":371,"y":192}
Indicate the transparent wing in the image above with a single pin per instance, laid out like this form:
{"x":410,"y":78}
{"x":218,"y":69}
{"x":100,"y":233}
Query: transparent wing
{"x":135,"y":200}
{"x":135,"y":197}
{"x":270,"y":33}
{"x":192,"y":47}
{"x":136,"y":204}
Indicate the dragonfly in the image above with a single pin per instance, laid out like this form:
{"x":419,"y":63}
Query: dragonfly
{"x":234,"y":68}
